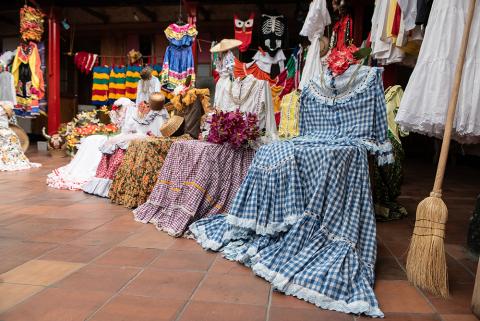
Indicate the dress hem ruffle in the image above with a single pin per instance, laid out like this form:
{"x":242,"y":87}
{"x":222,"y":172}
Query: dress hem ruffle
{"x":98,"y":186}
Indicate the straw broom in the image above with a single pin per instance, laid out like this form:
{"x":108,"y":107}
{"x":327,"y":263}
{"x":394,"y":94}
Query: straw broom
{"x":426,"y":264}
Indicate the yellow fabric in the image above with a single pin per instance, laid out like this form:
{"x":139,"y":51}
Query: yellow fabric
{"x":37,"y":75}
{"x":101,"y":75}
{"x":390,"y":17}
{"x":393,"y":96}
{"x":100,"y":87}
{"x":276,"y":91}
{"x":290,"y":115}
{"x":98,"y":97}
{"x":179,"y":102}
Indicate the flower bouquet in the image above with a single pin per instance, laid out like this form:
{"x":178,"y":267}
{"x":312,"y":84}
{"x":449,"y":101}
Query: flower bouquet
{"x":235,"y":128}
{"x":82,"y":125}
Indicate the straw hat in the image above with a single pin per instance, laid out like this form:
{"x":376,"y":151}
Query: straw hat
{"x":226,"y":44}
{"x":134,"y":56}
{"x":171,"y":126}
{"x":22,"y":136}
{"x":156,"y":101}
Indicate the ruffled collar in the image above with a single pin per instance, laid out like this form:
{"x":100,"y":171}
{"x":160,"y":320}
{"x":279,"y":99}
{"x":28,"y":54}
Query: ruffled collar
{"x":177,"y":32}
{"x":149,"y":118}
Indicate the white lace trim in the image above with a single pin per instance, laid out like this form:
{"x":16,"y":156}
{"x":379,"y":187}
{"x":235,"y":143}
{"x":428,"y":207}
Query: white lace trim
{"x":320,"y":300}
{"x":202,"y":239}
{"x":98,"y":186}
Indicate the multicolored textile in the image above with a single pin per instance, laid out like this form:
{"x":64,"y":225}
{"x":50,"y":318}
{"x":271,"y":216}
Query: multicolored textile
{"x":28,"y":80}
{"x":85,"y":61}
{"x":136,"y":177}
{"x":133,"y":77}
{"x":198,"y":179}
{"x":101,"y":77}
{"x":178,"y":61}
{"x":243,"y":31}
{"x":116,"y":85}
{"x":304,"y":212}
{"x":108,"y":166}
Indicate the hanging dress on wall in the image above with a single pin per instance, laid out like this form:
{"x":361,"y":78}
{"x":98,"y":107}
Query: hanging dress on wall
{"x":28,"y":78}
{"x":178,"y":62}
{"x":424,"y":105}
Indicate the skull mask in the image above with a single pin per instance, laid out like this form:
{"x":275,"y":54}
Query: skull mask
{"x":274,"y":29}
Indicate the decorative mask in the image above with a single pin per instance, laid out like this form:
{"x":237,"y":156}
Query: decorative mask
{"x":243,"y":31}
{"x":273,"y":32}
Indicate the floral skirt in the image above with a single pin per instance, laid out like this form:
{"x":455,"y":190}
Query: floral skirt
{"x":199,"y":179}
{"x":136,"y":176}
{"x":12,"y":157}
{"x":109,"y":164}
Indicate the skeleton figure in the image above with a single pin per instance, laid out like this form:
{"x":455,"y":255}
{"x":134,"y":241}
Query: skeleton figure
{"x":273,"y":32}
{"x":243,"y":31}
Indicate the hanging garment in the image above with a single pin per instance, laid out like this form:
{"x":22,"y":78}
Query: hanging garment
{"x":28,"y":80}
{"x":304,"y":211}
{"x":101,"y":77}
{"x":178,"y":62}
{"x":424,"y":105}
{"x":423,"y":11}
{"x":7,"y":87}
{"x":116,"y":85}
{"x":387,"y":179}
{"x":85,"y":61}
{"x":224,"y":64}
{"x":313,"y":28}
{"x":290,"y":108}
{"x":273,"y":33}
{"x":133,"y":77}
{"x":12,"y":157}
{"x":265,"y":62}
{"x":243,"y":31}
{"x":251,"y":95}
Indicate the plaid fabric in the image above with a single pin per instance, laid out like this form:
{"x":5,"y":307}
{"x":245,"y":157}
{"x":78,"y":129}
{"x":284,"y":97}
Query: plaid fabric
{"x":198,"y":179}
{"x":303,"y":218}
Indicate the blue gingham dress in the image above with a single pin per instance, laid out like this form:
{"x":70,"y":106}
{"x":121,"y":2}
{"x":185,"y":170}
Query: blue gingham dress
{"x":303,"y":218}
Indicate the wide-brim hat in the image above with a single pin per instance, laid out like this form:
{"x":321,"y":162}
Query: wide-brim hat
{"x":22,"y":136}
{"x":156,"y":101}
{"x":324,"y":46}
{"x":171,"y":126}
{"x":226,"y":44}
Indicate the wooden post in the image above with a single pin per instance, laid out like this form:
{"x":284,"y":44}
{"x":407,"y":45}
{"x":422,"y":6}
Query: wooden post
{"x":476,"y":295}
{"x":53,"y":73}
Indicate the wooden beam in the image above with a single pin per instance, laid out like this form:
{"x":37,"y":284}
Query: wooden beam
{"x":148,"y":13}
{"x":101,"y":16}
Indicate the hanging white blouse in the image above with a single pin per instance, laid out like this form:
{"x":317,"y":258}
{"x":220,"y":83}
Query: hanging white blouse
{"x":252,"y":95}
{"x":264,"y":61}
{"x":409,"y":13}
{"x":313,"y":28}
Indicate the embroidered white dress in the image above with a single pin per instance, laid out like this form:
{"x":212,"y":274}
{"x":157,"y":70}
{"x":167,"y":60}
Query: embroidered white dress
{"x":12,"y":157}
{"x":424,"y":105}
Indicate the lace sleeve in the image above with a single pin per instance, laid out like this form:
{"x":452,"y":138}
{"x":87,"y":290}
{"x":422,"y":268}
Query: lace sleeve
{"x":316,"y":21}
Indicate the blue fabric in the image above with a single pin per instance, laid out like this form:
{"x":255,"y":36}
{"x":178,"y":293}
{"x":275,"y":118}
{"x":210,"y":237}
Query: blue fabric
{"x":303,"y":218}
{"x":178,"y":62}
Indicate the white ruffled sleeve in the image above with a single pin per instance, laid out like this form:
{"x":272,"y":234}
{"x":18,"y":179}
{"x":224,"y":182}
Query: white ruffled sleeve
{"x":316,"y":21}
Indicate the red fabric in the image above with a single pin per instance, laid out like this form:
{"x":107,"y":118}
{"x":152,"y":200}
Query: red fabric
{"x":109,"y":164}
{"x":243,"y":31}
{"x":396,"y":21}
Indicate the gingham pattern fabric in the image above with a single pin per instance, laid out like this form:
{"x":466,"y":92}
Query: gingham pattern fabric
{"x":198,"y":179}
{"x":303,"y":218}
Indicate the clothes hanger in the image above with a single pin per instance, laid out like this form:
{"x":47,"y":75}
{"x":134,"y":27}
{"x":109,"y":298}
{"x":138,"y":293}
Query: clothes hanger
{"x":180,"y":21}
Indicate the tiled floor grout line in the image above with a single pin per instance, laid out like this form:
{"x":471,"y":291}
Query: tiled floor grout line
{"x":189,"y":300}
{"x":404,"y":270}
{"x":116,"y":294}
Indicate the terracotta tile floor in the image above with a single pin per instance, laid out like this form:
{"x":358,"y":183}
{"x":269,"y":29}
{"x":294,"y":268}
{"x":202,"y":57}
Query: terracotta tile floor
{"x":70,"y":256}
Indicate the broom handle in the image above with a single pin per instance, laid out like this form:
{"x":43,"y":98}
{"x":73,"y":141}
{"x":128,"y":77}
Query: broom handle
{"x":452,"y":106}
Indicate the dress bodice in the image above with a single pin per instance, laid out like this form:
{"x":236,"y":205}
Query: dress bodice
{"x":348,"y":108}
{"x":181,"y":36}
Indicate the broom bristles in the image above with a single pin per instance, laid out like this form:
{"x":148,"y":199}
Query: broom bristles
{"x":426,"y":263}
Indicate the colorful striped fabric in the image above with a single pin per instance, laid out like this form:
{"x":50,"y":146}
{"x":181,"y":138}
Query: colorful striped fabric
{"x":116,"y":86}
{"x":101,"y":76}
{"x":133,"y":76}
{"x":157,"y":69}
